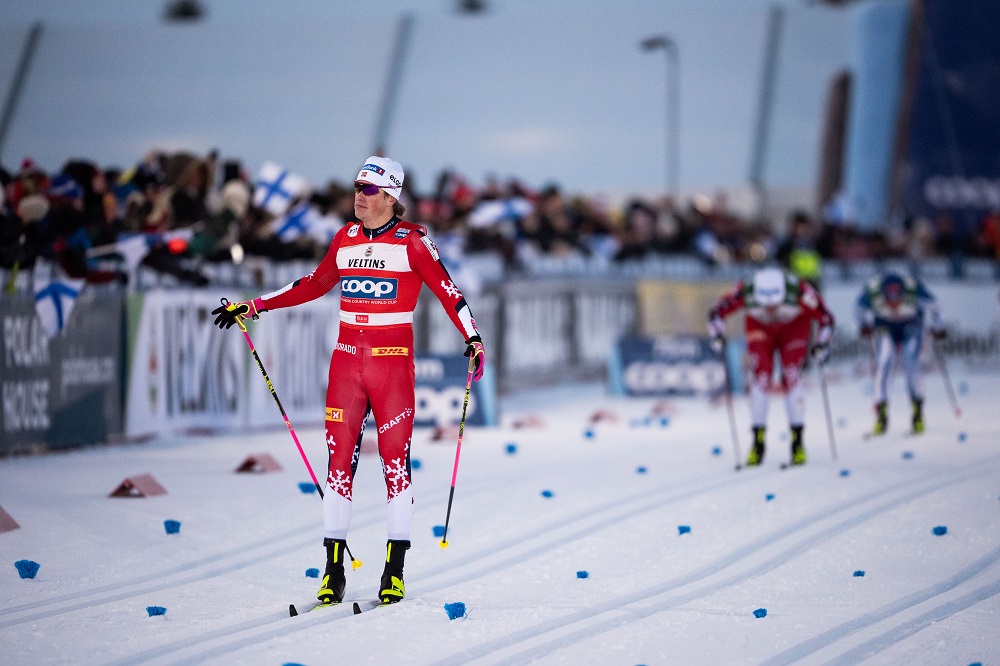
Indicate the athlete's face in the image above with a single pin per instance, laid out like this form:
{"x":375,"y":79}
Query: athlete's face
{"x":374,"y":209}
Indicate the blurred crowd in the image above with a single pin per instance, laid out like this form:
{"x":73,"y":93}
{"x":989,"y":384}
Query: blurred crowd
{"x":173,"y":212}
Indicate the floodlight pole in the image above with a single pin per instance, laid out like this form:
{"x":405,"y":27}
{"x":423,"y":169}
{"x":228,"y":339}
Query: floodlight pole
{"x":673,"y":106}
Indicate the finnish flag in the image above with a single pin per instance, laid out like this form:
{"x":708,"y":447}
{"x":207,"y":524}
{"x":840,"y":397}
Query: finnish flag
{"x":489,"y":213}
{"x":54,"y":301}
{"x":299,"y":221}
{"x":276,"y":187}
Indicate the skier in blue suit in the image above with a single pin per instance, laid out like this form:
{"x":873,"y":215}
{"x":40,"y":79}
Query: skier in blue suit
{"x":894,"y":309}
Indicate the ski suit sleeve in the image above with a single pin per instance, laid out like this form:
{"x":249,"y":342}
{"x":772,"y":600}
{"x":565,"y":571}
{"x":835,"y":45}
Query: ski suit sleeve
{"x":319,"y":282}
{"x":812,"y":303}
{"x":863,"y":311}
{"x":929,"y":305}
{"x":426,"y":261}
{"x":728,"y":303}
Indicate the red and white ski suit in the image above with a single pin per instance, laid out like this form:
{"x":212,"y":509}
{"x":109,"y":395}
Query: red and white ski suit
{"x":784,"y":329}
{"x":380,"y":273}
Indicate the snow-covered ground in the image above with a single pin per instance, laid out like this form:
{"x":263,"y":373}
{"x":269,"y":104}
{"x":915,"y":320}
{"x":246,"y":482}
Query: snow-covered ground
{"x":790,"y":542}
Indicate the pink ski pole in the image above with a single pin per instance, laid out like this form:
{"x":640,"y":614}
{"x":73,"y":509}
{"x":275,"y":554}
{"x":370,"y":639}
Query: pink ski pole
{"x":458,"y":450}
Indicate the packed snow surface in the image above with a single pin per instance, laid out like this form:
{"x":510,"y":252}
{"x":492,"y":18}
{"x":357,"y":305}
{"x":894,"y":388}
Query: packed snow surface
{"x":584,"y":529}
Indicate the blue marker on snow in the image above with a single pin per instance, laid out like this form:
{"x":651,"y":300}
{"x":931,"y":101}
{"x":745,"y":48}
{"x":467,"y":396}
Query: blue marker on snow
{"x":760,"y":612}
{"x":26,"y":568}
{"x":455,"y":610}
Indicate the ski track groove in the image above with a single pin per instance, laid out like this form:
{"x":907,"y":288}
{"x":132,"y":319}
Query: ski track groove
{"x":367,"y":516}
{"x":906,"y":629}
{"x":691,"y":489}
{"x":701,"y":485}
{"x":808,"y":542}
{"x":885,"y":640}
{"x":492,"y":647}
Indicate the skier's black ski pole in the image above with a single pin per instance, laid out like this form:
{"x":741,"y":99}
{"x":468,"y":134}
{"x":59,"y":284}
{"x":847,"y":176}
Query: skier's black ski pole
{"x":946,"y":377}
{"x":729,"y":408}
{"x":826,"y":407}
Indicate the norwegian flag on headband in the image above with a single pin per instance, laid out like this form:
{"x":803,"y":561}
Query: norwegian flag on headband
{"x":276,"y":187}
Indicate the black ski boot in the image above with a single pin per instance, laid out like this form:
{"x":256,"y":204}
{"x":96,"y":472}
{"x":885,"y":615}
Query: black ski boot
{"x":918,"y":416}
{"x":881,"y":418}
{"x":391,"y":589}
{"x":798,"y":450}
{"x":757,"y":452}
{"x":334,"y":580}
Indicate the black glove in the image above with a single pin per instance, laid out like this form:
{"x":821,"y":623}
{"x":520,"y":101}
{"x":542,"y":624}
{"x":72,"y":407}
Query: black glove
{"x":475,"y":350}
{"x":229,"y":314}
{"x":866,"y":331}
{"x":939,"y":333}
{"x":820,"y":352}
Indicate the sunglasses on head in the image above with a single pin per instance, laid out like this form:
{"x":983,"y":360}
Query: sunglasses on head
{"x":366,"y":188}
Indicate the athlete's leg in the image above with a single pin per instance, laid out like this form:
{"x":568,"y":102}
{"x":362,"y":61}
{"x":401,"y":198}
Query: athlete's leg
{"x":793,"y":343}
{"x":886,"y":350}
{"x":390,"y":379}
{"x":346,"y":408}
{"x":760,"y":354}
{"x":912,"y":340}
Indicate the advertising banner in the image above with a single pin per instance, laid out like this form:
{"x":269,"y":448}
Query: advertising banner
{"x":65,"y":390}
{"x":440,"y":393}
{"x":674,"y":365}
{"x":295,"y":346}
{"x":670,"y":307}
{"x":184,"y":372}
{"x":952,"y":150}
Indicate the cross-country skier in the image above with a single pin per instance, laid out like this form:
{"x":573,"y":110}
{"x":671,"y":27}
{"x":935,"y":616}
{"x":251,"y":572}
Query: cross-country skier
{"x":893,"y":308}
{"x":780,"y":309}
{"x":380,"y":265}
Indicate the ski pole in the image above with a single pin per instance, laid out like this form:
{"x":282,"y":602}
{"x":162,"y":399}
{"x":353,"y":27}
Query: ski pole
{"x":729,"y":408}
{"x":826,"y":407}
{"x":946,"y":377}
{"x":458,"y":449}
{"x":274,"y":394}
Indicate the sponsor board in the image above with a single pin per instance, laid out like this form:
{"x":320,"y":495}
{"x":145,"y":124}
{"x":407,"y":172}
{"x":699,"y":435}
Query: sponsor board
{"x":184,"y":372}
{"x":440,"y":393}
{"x":673,"y":365}
{"x":65,"y":390}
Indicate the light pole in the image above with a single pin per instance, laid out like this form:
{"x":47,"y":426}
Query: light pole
{"x":673,"y":90}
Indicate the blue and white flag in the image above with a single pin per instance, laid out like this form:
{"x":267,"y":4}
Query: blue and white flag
{"x":54,"y":301}
{"x":276,"y":187}
{"x":299,"y":221}
{"x":493,"y":212}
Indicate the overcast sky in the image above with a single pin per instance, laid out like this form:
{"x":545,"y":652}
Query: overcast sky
{"x":545,"y":91}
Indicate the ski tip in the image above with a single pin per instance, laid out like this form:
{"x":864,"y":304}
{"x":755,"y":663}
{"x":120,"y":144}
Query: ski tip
{"x":291,"y":610}
{"x":357,"y":608}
